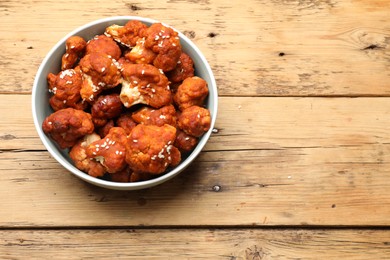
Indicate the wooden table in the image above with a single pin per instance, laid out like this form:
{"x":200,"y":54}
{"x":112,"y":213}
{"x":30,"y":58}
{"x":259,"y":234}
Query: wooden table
{"x":299,"y":167}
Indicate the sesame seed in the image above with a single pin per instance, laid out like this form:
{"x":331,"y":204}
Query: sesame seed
{"x":66,"y":55}
{"x":50,"y":123}
{"x":72,"y":47}
{"x":97,"y":149}
{"x":153,"y":90}
{"x":135,"y":141}
{"x":94,"y":153}
{"x":173,"y":44}
{"x":135,"y":82}
{"x":187,"y":138}
{"x":116,"y":152}
{"x":161,"y":71}
{"x":120,"y":152}
{"x":156,"y":38}
{"x":163,"y":117}
{"x":103,"y":69}
{"x":64,"y":101}
{"x":143,"y":72}
{"x":69,"y":82}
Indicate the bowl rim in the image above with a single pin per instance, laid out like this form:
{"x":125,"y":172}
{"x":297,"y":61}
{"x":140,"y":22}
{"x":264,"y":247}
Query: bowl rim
{"x":129,"y":185}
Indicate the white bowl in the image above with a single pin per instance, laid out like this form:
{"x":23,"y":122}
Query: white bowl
{"x":41,"y":108}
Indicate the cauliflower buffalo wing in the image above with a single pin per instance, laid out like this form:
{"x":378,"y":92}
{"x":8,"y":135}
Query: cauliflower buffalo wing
{"x":84,"y":163}
{"x":150,"y":149}
{"x":110,"y":150}
{"x":104,"y":44}
{"x":65,"y":87}
{"x":184,"y":69}
{"x":158,"y":117}
{"x":75,"y":46}
{"x":165,"y":42}
{"x":194,"y":121}
{"x":126,"y":122}
{"x":99,"y":72}
{"x":184,"y":142}
{"x":106,"y":107}
{"x":192,"y":91}
{"x":127,"y":35}
{"x":144,"y":84}
{"x":67,"y":125}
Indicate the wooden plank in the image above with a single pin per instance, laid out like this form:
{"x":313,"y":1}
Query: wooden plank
{"x":195,"y":244}
{"x":295,"y":186}
{"x":250,"y":123}
{"x":274,"y":161}
{"x":255,"y":47}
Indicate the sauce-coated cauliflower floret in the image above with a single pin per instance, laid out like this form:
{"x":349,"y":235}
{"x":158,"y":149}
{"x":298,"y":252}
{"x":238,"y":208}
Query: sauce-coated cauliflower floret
{"x":165,"y":42}
{"x":65,"y":87}
{"x":185,"y":142}
{"x":150,"y":149}
{"x":126,"y":122}
{"x":140,"y":54}
{"x":159,"y":117}
{"x":82,"y":161}
{"x":110,"y":150}
{"x":75,"y":46}
{"x":144,"y":84}
{"x":104,"y":44}
{"x":128,"y":34}
{"x":184,"y":69}
{"x":194,"y":121}
{"x":67,"y":125}
{"x":103,"y":130}
{"x":106,"y":107}
{"x":193,"y":91}
{"x":100,"y":72}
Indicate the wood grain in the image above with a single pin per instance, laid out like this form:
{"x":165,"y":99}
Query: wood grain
{"x":195,"y":244}
{"x":260,"y":48}
{"x":274,"y":161}
{"x":250,"y":123}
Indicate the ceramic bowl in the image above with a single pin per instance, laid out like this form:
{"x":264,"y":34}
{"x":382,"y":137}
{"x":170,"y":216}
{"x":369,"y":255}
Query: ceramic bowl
{"x":41,"y":108}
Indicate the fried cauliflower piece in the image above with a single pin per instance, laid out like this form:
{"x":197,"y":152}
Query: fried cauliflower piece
{"x":127,"y":175}
{"x":103,"y":44}
{"x":127,"y":35}
{"x":165,"y":42}
{"x":184,"y":142}
{"x":194,"y":121}
{"x":184,"y":69}
{"x":75,"y":47}
{"x":110,"y":150}
{"x":67,"y":125}
{"x":65,"y":87}
{"x":144,"y":84}
{"x":150,"y":149}
{"x":106,"y":107}
{"x":99,"y":72}
{"x":126,"y":122}
{"x":103,"y":130}
{"x":140,"y":54}
{"x":82,"y":161}
{"x":158,"y":117}
{"x":193,"y":91}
